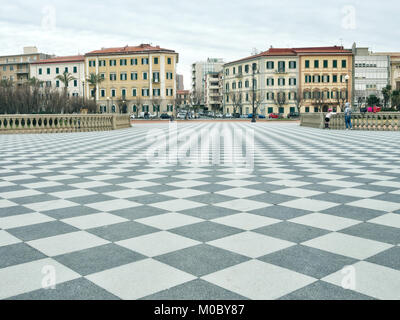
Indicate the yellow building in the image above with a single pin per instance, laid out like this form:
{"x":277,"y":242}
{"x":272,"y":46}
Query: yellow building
{"x":136,"y":79}
{"x":326,"y":78}
{"x":16,"y":68}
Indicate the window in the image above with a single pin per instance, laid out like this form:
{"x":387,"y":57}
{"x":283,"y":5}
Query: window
{"x":102,"y":63}
{"x":134,"y":108}
{"x":227,"y":87}
{"x":75,"y":83}
{"x":4,"y":68}
{"x":102,"y":93}
{"x":113,"y":63}
{"x":48,"y":70}
{"x":145,"y":61}
{"x":334,"y":78}
{"x":156,"y":77}
{"x":246,"y":68}
{"x":57,"y":70}
{"x":40,"y":71}
{"x":123,"y":93}
{"x":134,"y":92}
{"x":169,"y":61}
{"x":315,"y":109}
{"x":57,"y":84}
{"x":145,"y":92}
{"x":281,"y":82}
{"x":144,"y":76}
{"x":317,"y":79}
{"x":92,"y":63}
{"x":325,"y":64}
{"x":240,"y":70}
{"x":334,"y":63}
{"x":103,"y":76}
{"x":308,"y":79}
{"x":169,"y":76}
{"x":246,"y":84}
{"x":113,"y":76}
{"x":281,"y":66}
{"x":227,"y":72}
{"x":270,"y":109}
{"x":234,"y":70}
{"x":122,"y":62}
{"x":316,"y":64}
{"x":66,"y":69}
{"x":48,"y":84}
{"x":75,"y":69}
{"x":292,"y":81}
{"x":113,"y":92}
{"x":170,"y":92}
{"x":155,"y":60}
{"x":344,"y":63}
{"x":233,"y":85}
{"x":11,"y":68}
{"x":270,"y":64}
{"x":156,"y":92}
{"x":307,"y":109}
{"x":123,"y":76}
{"x":240,"y":84}
{"x":134,"y":76}
{"x":133,"y":62}
{"x":292,"y":64}
{"x":307,"y":64}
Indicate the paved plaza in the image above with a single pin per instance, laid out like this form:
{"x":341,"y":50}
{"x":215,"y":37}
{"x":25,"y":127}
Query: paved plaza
{"x":318,"y":217}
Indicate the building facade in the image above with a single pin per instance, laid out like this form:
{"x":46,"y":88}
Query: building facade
{"x":16,"y":68}
{"x":326,"y":78}
{"x":136,"y":79}
{"x":371,"y":74}
{"x":179,"y":82}
{"x":199,"y":71}
{"x":47,"y":71}
{"x":183,"y":99}
{"x":213,"y":91}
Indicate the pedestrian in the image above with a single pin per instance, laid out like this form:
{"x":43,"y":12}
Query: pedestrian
{"x":347,"y":116}
{"x":328,"y":118}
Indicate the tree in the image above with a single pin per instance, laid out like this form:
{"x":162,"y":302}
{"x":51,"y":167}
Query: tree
{"x":256,"y":98}
{"x":93,"y":81}
{"x":65,"y":78}
{"x":318,"y":100}
{"x":156,"y":102}
{"x":138,"y":104}
{"x":34,"y":82}
{"x":197,"y":97}
{"x":299,"y":100}
{"x":280,"y":99}
{"x":387,"y":94}
{"x":396,"y":98}
{"x":373,"y":100}
{"x":236,"y":99}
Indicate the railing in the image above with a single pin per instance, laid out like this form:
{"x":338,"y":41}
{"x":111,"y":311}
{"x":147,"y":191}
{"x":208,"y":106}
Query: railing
{"x":40,"y":123}
{"x":382,"y":121}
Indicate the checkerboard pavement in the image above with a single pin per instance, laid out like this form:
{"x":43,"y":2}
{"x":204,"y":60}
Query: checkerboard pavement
{"x":114,"y":226}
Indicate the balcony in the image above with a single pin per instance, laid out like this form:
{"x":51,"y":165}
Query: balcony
{"x":281,"y":71}
{"x":22,"y":71}
{"x":156,"y":80}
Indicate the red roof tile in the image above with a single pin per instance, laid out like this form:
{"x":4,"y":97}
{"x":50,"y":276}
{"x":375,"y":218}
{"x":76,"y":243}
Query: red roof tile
{"x":61,"y":60}
{"x":183,"y":92}
{"x":128,"y":49}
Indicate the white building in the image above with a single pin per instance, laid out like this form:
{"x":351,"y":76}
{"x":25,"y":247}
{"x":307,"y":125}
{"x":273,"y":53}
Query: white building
{"x":47,"y":71}
{"x":371,"y":74}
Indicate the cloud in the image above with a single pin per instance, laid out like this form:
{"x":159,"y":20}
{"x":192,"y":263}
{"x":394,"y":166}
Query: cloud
{"x":197,"y":30}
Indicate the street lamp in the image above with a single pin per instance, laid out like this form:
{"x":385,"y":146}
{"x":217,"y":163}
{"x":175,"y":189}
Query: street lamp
{"x":253,"y":119}
{"x":108,"y":103}
{"x":347,"y":77}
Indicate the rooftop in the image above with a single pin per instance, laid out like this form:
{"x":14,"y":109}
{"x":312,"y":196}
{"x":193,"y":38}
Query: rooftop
{"x":61,"y":60}
{"x":129,"y":49}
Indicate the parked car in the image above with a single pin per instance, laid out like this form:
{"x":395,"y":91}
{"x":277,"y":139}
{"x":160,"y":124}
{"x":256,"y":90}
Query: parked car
{"x":228,"y":116}
{"x":236,"y":115}
{"x":165,"y":116}
{"x":293,"y":115}
{"x":275,"y":116}
{"x":132,"y":117}
{"x":219,"y":115}
{"x":181,"y":115}
{"x":259,"y":116}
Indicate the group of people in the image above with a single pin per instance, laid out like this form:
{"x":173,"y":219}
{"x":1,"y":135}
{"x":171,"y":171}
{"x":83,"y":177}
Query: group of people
{"x":347,"y":117}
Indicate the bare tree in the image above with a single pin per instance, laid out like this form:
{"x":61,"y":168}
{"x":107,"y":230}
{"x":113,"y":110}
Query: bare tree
{"x":236,"y":99}
{"x":280,"y":99}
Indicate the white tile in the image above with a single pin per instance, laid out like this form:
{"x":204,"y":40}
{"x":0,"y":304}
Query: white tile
{"x":191,"y":176}
{"x":113,"y":205}
{"x":7,"y":239}
{"x":6,"y":203}
{"x":6,"y":184}
{"x":346,"y":245}
{"x":309,"y":204}
{"x":94,"y":220}
{"x":89,"y":185}
{"x":66,"y":243}
{"x":282,"y":176}
{"x":183,"y":193}
{"x":297,"y":192}
{"x":243,"y":205}
{"x":23,"y":220}
{"x":325,"y":221}
{"x":19,"y":194}
{"x":103,"y":177}
{"x":177,"y":205}
{"x":360,"y":193}
{"x":60,"y":177}
{"x":341,"y":184}
{"x":19,"y":177}
{"x":50,"y":205}
{"x":238,"y":183}
{"x":372,"y":280}
{"x":187,"y":184}
{"x":238,"y":175}
{"x":390,"y":220}
{"x":259,"y":281}
{"x":328,"y":176}
{"x":140,"y":279}
{"x":391,"y":184}
{"x":148,"y":176}
{"x":240,"y":193}
{"x":158,"y":243}
{"x":128,"y":193}
{"x":30,"y":276}
{"x":72,"y":193}
{"x":39,"y":185}
{"x":246,"y":221}
{"x":251,"y":244}
{"x":376,"y":205}
{"x":290,"y":183}
{"x":138,"y":184}
{"x":169,"y":221}
{"x":376,"y":177}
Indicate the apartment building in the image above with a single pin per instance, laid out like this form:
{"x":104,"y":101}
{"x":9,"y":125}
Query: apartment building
{"x":16,"y":68}
{"x":199,"y":71}
{"x":394,"y":69}
{"x":213,"y":91}
{"x":179,"y":82}
{"x":47,"y":71}
{"x":183,"y":98}
{"x":136,"y":78}
{"x":271,"y":77}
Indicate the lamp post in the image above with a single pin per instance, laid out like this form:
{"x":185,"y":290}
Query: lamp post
{"x":253,"y":119}
{"x":108,"y":104}
{"x":347,"y":77}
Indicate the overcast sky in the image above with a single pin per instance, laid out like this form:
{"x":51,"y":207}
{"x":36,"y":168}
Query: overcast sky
{"x":197,"y":29}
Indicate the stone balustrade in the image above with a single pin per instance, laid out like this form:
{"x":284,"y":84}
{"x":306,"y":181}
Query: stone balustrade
{"x":57,"y":123}
{"x":381,"y":121}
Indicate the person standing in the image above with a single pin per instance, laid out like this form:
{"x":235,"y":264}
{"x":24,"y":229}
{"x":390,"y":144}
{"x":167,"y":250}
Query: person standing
{"x":347,"y":116}
{"x":328,"y":118}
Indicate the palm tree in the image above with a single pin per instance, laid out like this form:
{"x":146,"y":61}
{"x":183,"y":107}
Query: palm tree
{"x":65,"y":78}
{"x":94,"y":80}
{"x":34,"y":82}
